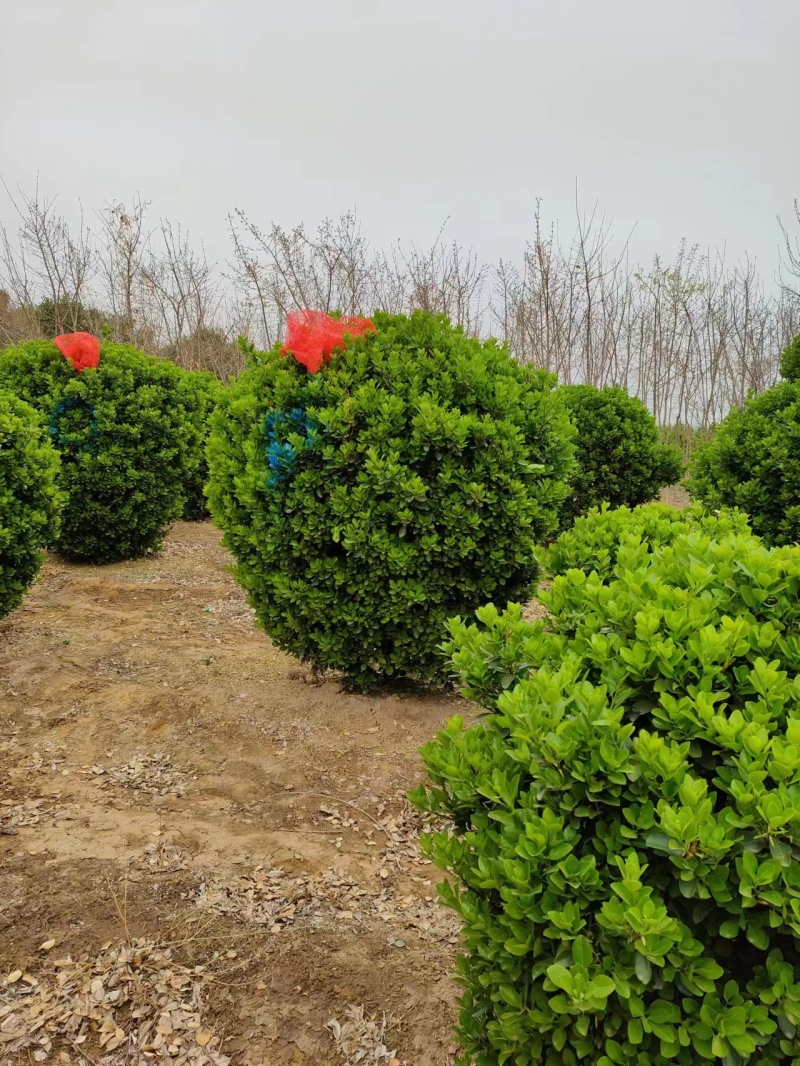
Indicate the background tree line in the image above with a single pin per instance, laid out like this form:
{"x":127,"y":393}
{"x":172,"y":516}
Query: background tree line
{"x":691,"y":337}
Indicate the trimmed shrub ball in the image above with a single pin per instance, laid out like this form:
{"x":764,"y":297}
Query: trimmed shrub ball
{"x":753,"y":462}
{"x":30,"y":501}
{"x":123,"y":432}
{"x":409,"y":480}
{"x":619,"y":458}
{"x":203,"y":392}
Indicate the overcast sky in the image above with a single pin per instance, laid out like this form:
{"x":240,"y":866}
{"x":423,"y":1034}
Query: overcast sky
{"x":678,"y":116}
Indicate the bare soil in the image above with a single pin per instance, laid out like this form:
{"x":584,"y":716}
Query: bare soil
{"x":676,"y":496}
{"x":180,"y":798}
{"x":167,"y":774}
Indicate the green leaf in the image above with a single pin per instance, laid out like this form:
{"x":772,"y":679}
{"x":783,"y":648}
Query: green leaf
{"x":602,"y":986}
{"x":561,"y":977}
{"x":644,"y":971}
{"x":582,"y":952}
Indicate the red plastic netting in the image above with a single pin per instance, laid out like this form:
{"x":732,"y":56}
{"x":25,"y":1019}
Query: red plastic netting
{"x":311,"y":336}
{"x":82,"y":350}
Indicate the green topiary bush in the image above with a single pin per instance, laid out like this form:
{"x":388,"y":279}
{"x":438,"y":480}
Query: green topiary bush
{"x":753,"y":463}
{"x":619,"y":457}
{"x":790,"y":361}
{"x":30,"y":501}
{"x":409,"y":480}
{"x":203,"y":392}
{"x":625,"y":851}
{"x":593,"y":542}
{"x":123,"y":434}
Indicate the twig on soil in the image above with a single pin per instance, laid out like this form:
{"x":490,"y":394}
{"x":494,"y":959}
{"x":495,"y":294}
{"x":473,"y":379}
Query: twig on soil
{"x":82,"y":1053}
{"x":338,"y":799}
{"x":122,"y":912}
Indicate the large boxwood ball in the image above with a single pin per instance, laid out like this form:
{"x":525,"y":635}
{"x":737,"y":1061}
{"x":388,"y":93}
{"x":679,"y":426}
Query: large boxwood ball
{"x":30,"y":501}
{"x":123,"y":433}
{"x":619,"y":458}
{"x":203,"y":391}
{"x":753,"y":462}
{"x":409,"y":480}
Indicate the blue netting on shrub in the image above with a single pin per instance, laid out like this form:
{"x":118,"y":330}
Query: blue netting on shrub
{"x":86,"y":431}
{"x":281,"y":453}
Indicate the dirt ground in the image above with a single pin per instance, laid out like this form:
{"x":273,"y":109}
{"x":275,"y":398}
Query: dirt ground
{"x":168,"y":778}
{"x":676,"y":496}
{"x":206,"y":855}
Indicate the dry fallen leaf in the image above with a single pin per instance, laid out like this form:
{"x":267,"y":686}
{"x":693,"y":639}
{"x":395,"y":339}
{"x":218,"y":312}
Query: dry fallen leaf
{"x":360,"y":1038}
{"x":133,"y":999}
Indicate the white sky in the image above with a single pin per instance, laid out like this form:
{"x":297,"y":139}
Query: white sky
{"x":678,"y":115}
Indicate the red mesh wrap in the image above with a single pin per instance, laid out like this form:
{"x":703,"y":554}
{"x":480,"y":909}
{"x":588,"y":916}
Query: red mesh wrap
{"x":311,"y":336}
{"x":82,"y":350}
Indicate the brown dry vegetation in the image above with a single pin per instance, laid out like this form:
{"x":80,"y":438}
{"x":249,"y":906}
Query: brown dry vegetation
{"x":167,"y":774}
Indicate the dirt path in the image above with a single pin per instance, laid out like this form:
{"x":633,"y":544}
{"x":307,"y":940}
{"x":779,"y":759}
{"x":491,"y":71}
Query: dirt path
{"x":166,"y":774}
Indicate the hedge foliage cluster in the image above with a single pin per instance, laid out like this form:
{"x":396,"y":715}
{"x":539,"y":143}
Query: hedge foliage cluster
{"x":593,"y":541}
{"x":625,"y":851}
{"x":619,"y":458}
{"x":408,"y":481}
{"x":124,"y":436}
{"x":203,"y":392}
{"x":30,"y":501}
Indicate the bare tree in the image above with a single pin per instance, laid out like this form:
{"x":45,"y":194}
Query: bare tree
{"x":122,"y":260}
{"x":691,"y":337}
{"x":44,"y":261}
{"x":280,"y":271}
{"x":336,"y":270}
{"x":446,"y":279}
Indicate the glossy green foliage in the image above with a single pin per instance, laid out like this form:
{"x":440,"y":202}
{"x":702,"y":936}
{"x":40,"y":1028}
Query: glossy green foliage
{"x":753,"y":462}
{"x":123,"y":434}
{"x":594,"y":540}
{"x":619,"y":456}
{"x":408,"y":481}
{"x":790,"y":361}
{"x":626,"y":845}
{"x":30,"y":502}
{"x":204,"y":390}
